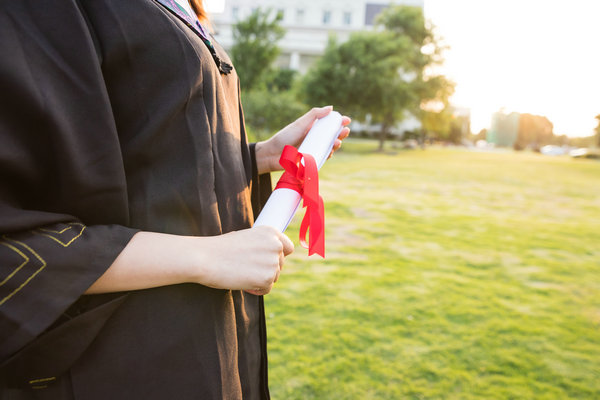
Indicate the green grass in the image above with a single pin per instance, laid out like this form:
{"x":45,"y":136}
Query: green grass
{"x":449,"y":274}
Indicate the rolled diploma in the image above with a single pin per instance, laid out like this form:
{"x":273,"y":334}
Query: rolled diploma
{"x":283,"y":203}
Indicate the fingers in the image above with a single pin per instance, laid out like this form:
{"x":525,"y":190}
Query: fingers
{"x":281,"y":261}
{"x":260,"y":292}
{"x":344,"y":133}
{"x":338,"y":142}
{"x":277,"y":275}
{"x":278,"y":245}
{"x":288,"y":246}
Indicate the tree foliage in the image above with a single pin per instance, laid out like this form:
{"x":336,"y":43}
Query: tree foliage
{"x":255,"y":46}
{"x":382,"y":73}
{"x":535,"y":131}
{"x":267,"y":96}
{"x":281,"y":79}
{"x":268,"y":111}
{"x":437,"y":124}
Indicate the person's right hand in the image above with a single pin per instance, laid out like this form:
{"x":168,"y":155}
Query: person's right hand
{"x":249,"y":260}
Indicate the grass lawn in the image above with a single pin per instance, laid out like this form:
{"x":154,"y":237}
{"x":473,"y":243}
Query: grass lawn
{"x":449,"y":274}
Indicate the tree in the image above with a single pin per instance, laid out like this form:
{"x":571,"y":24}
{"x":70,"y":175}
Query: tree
{"x":598,"y":131}
{"x":281,"y":79}
{"x":437,"y":124}
{"x":255,"y":46}
{"x":267,"y":97}
{"x":360,"y":77}
{"x":535,"y":131}
{"x":380,"y":73}
{"x":481,"y":135}
{"x":268,"y":111}
{"x":460,"y":128}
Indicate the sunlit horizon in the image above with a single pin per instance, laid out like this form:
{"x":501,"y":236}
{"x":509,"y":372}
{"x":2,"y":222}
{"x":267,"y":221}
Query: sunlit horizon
{"x":527,"y":56}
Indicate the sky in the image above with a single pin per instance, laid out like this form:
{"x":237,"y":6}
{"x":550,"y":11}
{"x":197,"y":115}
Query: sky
{"x":529,"y":56}
{"x":214,"y":6}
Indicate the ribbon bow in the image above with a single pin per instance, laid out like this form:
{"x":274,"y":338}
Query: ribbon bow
{"x":304,"y":179}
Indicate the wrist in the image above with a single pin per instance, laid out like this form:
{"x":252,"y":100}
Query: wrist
{"x":266,"y":158}
{"x":199,"y":266}
{"x":211,"y":263}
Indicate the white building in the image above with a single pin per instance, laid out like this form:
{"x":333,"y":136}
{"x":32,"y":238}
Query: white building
{"x":308,"y":23}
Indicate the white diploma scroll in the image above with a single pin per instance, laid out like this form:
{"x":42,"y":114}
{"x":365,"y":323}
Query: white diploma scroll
{"x":283,"y":203}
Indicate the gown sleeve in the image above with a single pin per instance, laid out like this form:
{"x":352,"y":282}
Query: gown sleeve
{"x":63,"y":196}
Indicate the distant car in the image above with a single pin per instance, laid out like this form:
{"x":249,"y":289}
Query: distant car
{"x":552,"y":150}
{"x":410,"y":144}
{"x":585,"y":153}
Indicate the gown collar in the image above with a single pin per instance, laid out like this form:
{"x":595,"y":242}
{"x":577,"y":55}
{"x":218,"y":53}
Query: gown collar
{"x":194,"y":24}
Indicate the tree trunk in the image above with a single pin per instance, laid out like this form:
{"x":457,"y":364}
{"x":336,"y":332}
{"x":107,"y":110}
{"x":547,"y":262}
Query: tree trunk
{"x":382,"y":135}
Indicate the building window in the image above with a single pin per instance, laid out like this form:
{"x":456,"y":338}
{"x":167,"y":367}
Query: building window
{"x":235,"y":13}
{"x":326,"y":17}
{"x":372,"y":11}
{"x":300,"y":15}
{"x":347,"y":18}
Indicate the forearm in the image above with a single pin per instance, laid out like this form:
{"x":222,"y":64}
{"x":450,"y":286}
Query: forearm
{"x":249,"y":259}
{"x":150,"y":260}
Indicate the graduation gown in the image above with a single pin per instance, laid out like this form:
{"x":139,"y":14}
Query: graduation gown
{"x":113,"y":119}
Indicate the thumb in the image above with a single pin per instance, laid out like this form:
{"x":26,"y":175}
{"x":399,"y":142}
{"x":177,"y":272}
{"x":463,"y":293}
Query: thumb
{"x":320,"y":112}
{"x":314,"y":113}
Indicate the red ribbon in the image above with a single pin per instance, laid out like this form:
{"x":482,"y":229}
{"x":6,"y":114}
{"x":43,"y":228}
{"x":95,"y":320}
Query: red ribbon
{"x":304,"y":179}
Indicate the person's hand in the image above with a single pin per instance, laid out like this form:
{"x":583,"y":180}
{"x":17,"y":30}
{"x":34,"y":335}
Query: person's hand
{"x":249,"y":260}
{"x":269,"y":151}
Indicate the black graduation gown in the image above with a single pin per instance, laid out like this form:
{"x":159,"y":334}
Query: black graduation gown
{"x":114,"y":119}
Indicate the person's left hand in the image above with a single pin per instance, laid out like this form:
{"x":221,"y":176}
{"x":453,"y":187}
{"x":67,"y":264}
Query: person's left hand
{"x":269,"y":151}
